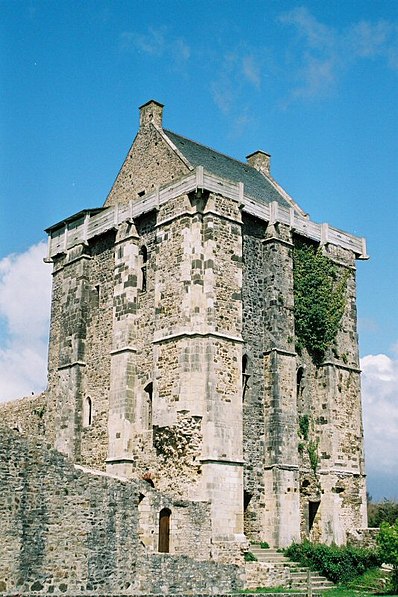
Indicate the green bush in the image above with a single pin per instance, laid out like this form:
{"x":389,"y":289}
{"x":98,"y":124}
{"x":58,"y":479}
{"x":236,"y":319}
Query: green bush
{"x":264,"y":545}
{"x":387,"y":540}
{"x":304,"y":426}
{"x":338,"y":564}
{"x":250,"y":557}
{"x":319,"y":300}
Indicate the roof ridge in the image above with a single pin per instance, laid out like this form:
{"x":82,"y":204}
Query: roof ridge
{"x":245,"y":164}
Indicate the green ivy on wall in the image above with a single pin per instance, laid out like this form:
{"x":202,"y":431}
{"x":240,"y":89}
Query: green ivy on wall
{"x":319,"y":300}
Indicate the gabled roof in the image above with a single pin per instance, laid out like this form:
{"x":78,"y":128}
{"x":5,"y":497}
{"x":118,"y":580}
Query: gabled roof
{"x":256,"y":184}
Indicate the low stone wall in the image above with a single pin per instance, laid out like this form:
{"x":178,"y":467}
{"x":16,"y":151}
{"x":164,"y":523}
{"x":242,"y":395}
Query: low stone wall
{"x":263,"y":574}
{"x":363,"y":538}
{"x":25,"y":415}
{"x":67,"y":531}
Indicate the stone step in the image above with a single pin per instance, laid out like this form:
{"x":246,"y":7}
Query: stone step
{"x":298,"y":574}
{"x":314,"y":581}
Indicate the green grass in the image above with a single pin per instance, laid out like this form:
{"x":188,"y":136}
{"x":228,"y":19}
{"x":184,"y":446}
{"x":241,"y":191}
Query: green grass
{"x":346,"y":592}
{"x":279,"y":589}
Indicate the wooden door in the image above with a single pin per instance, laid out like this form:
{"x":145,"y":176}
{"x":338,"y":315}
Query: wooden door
{"x":164,"y":530}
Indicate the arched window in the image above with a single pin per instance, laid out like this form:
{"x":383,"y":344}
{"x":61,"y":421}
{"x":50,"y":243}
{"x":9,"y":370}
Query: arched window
{"x":144,"y":260}
{"x":164,"y":530}
{"x":245,"y":374}
{"x":87,"y":412}
{"x":148,"y":405}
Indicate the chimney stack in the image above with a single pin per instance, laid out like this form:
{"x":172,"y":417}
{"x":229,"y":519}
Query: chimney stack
{"x":152,"y":111}
{"x":260,"y":160}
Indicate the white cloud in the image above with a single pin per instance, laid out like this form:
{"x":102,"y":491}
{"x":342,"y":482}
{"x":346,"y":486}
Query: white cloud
{"x":156,"y":42}
{"x":251,"y":70}
{"x":316,"y":34}
{"x":153,"y":42}
{"x":380,"y":407}
{"x":25,"y":294}
{"x":370,"y":39}
{"x":322,"y":54}
{"x":238,"y":71}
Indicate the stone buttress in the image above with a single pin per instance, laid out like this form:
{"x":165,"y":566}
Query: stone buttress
{"x":281,"y":514}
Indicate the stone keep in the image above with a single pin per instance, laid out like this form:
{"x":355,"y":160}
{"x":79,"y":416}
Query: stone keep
{"x":172,"y":346}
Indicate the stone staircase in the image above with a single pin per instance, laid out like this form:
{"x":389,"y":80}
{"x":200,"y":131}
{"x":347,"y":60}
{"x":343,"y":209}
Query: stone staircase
{"x":298,"y":573}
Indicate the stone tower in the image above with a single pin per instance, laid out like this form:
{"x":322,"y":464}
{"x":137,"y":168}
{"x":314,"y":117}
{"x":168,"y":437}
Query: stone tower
{"x":173,"y":348}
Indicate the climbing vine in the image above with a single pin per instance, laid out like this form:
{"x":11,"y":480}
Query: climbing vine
{"x":304,"y":426}
{"x":312,"y":451}
{"x":319,"y":300}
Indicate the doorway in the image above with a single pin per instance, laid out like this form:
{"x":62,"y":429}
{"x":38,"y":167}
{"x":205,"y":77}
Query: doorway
{"x":164,"y":531}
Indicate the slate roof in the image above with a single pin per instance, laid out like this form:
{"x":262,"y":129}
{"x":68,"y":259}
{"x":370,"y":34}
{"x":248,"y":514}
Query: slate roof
{"x":255,"y":183}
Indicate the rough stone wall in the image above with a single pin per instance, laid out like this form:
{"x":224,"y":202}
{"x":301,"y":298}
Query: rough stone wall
{"x":190,"y":524}
{"x":67,"y":531}
{"x":253,"y":400}
{"x":188,"y":347}
{"x":79,"y":351}
{"x":26,"y":415}
{"x":329,"y":395}
{"x":150,"y":162}
{"x":270,"y":415}
{"x":279,"y":474}
{"x":94,"y":439}
{"x":281,"y":523}
{"x":261,"y":574}
{"x":363,"y":538}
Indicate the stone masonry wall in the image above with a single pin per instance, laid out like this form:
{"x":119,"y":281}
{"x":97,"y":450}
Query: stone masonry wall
{"x":79,"y":351}
{"x":329,"y":395}
{"x":26,"y":415}
{"x":150,"y":162}
{"x":253,"y":400}
{"x":68,"y":531}
{"x":94,"y":439}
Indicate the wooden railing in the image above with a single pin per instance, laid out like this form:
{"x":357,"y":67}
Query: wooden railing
{"x":65,"y":235}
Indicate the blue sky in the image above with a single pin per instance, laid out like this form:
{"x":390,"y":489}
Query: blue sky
{"x":313,"y":83}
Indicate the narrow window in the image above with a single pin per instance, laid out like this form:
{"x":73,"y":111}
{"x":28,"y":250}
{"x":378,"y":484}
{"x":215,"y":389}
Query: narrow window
{"x":246,"y":500}
{"x":245,"y":375}
{"x":164,"y":531}
{"x":88,"y":412}
{"x":299,"y":381}
{"x":144,"y":260}
{"x":312,"y":510}
{"x":148,"y":405}
{"x":95,"y":296}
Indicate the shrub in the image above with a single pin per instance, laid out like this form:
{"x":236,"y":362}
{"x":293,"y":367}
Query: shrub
{"x":264,"y":545}
{"x":319,"y":300}
{"x":387,"y":540}
{"x":338,"y":564}
{"x":250,"y":557}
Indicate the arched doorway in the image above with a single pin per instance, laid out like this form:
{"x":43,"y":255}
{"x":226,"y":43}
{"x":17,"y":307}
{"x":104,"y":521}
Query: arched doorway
{"x":164,"y":531}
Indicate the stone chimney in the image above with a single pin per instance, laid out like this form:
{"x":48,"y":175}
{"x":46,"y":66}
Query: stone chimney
{"x":260,"y":160}
{"x":152,"y":111}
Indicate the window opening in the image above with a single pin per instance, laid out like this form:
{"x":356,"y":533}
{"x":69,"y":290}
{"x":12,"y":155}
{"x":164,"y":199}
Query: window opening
{"x":312,"y":511}
{"x":164,"y":530}
{"x":246,"y":500}
{"x":88,"y":412}
{"x":95,"y":296}
{"x":245,"y":375}
{"x":299,"y":380}
{"x":144,"y":260}
{"x":148,"y":406}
